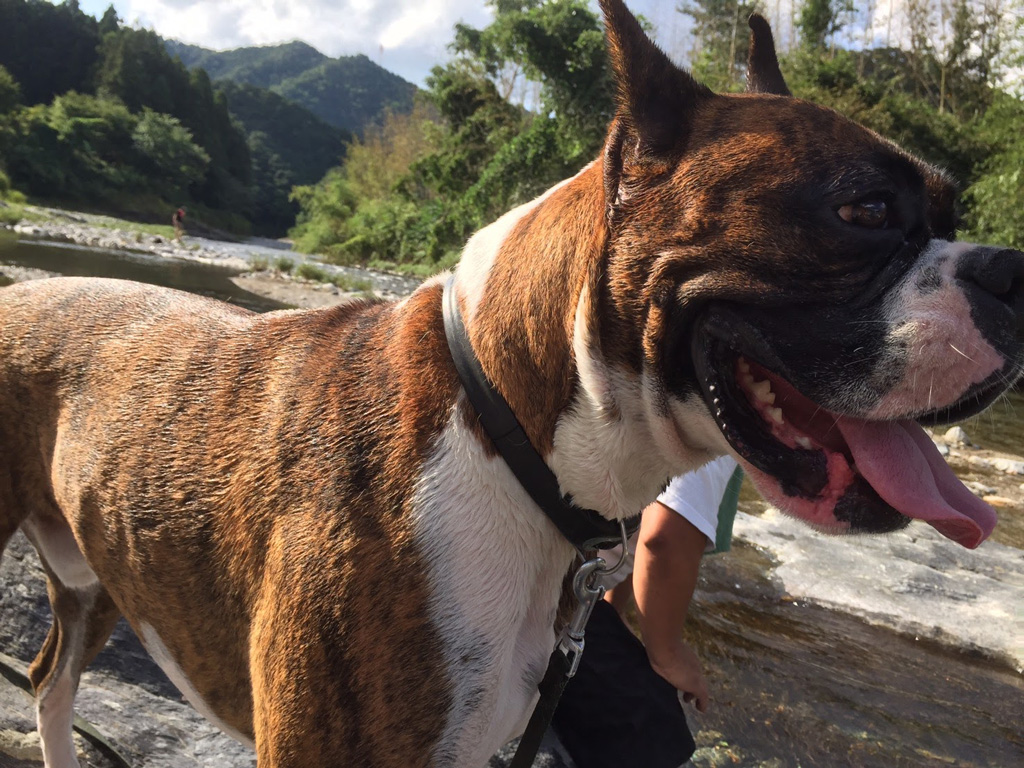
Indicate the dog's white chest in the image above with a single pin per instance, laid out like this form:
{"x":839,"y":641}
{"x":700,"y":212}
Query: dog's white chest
{"x":495,"y":568}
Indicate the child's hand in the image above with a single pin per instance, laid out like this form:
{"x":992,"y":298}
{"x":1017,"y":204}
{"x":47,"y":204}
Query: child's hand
{"x":679,"y":665}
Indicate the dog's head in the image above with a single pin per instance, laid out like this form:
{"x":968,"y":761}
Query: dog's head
{"x":796,"y":274}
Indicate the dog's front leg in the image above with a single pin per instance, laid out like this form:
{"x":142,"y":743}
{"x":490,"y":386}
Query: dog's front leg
{"x":343,"y":658}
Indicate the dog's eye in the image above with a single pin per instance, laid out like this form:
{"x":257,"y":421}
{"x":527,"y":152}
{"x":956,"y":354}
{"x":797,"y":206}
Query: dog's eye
{"x":872,"y":214}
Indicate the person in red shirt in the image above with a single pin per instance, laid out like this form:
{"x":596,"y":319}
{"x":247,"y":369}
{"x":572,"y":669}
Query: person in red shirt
{"x":178,"y":220}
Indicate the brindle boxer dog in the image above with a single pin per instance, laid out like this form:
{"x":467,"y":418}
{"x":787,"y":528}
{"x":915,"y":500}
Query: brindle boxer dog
{"x":300,"y":516}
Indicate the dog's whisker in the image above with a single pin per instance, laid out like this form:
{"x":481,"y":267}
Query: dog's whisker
{"x":962,"y":354}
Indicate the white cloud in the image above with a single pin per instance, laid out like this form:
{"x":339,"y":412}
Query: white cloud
{"x":405,"y":36}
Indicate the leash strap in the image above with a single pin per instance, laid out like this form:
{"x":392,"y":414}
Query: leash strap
{"x":584,"y":528}
{"x":551,"y":687}
{"x":13,"y":674}
{"x":562,"y":666}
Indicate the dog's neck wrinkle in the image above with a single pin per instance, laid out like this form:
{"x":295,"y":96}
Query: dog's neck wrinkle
{"x":523,"y":327}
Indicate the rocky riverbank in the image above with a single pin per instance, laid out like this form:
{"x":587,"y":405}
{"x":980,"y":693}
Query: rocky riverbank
{"x":91,"y":231}
{"x":267,"y":268}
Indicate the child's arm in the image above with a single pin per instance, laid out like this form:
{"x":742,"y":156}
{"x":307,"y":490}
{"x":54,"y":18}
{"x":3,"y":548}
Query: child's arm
{"x":668,"y":555}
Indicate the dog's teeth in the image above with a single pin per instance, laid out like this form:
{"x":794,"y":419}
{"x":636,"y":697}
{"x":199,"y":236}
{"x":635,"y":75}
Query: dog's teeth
{"x":776,"y":415}
{"x":804,"y":442}
{"x":748,"y":380}
{"x":762,"y":390}
{"x":744,"y":366}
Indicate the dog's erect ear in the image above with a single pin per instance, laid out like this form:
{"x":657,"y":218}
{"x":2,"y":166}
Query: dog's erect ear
{"x":655,"y":97}
{"x":763,"y":73}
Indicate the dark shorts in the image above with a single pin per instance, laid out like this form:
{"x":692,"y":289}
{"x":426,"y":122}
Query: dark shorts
{"x":617,"y":711}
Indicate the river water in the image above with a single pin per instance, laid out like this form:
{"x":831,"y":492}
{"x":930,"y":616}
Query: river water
{"x":792,"y":684}
{"x":68,"y":259}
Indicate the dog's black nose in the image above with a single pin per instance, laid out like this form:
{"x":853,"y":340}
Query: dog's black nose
{"x":999,"y":272}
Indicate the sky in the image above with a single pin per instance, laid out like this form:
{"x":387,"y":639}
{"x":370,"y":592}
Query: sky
{"x":407,"y":37}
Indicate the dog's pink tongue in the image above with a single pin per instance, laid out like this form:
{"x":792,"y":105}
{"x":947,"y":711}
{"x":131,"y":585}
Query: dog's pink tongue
{"x":905,"y":468}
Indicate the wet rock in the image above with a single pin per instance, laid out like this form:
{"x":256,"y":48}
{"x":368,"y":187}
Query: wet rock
{"x":551,"y":755}
{"x":21,"y":746}
{"x":957,"y":436}
{"x":1008,"y":466}
{"x":980,"y":489}
{"x":999,"y":502}
{"x":123,"y":694}
{"x":915,"y":581}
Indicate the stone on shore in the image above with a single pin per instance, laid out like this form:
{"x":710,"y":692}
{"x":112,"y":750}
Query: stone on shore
{"x":956,"y":436}
{"x":915,"y":581}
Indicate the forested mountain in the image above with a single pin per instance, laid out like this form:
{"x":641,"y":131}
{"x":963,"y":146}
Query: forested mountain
{"x":289,"y":145}
{"x":264,"y":66}
{"x":349,"y":92}
{"x":307,"y":144}
{"x":99,"y":114}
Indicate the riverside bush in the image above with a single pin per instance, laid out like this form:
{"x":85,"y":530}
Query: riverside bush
{"x":309,"y":271}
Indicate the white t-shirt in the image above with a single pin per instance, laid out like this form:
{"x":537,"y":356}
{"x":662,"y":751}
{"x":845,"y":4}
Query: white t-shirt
{"x":696,"y":496}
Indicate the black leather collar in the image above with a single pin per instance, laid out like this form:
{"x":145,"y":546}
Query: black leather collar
{"x":585,"y":529}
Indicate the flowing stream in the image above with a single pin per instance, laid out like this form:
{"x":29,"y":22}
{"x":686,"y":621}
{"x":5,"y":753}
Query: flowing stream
{"x":792,"y":684}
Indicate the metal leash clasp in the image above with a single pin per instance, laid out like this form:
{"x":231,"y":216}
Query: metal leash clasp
{"x":588,"y":589}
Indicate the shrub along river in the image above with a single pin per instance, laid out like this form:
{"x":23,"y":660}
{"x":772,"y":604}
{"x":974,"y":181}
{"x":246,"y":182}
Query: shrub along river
{"x":793,"y":683}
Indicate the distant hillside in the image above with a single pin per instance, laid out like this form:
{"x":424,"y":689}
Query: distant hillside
{"x":289,"y":145}
{"x":349,"y":92}
{"x":307,"y":145}
{"x":263,"y":66}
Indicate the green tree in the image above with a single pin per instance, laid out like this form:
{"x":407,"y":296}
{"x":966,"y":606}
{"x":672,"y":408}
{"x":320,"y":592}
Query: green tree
{"x":362,"y":211}
{"x":819,"y":20}
{"x":109,"y":22}
{"x":136,"y":69}
{"x":495,"y":156}
{"x":273,"y":209}
{"x":10,"y":96}
{"x":996,"y":200}
{"x":487,"y":154}
{"x":10,"y":92}
{"x":78,"y":148}
{"x":168,"y":154}
{"x":49,"y":49}
{"x":560,"y":46}
{"x":955,"y":56}
{"x":720,"y":40}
